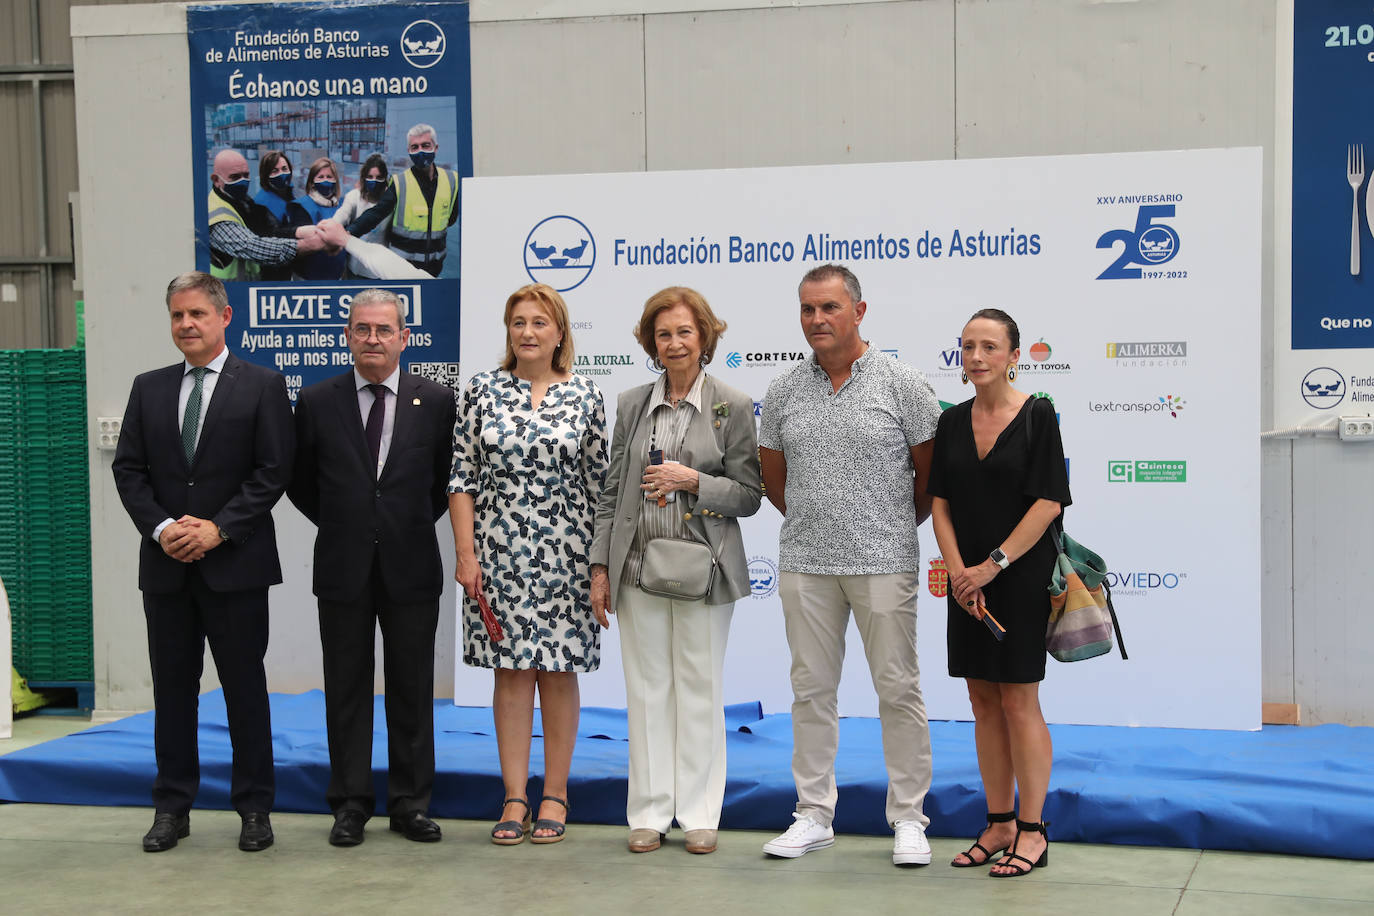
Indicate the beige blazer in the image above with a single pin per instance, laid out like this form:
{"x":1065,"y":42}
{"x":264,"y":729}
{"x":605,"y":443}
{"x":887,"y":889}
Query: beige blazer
{"x":727,"y":458}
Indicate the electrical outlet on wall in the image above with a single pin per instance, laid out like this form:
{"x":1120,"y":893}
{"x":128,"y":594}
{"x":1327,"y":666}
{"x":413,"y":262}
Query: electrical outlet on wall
{"x":1357,"y":429}
{"x":107,"y":432}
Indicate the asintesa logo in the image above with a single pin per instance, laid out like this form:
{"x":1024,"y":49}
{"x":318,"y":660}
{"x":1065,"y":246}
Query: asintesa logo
{"x":1147,"y":471}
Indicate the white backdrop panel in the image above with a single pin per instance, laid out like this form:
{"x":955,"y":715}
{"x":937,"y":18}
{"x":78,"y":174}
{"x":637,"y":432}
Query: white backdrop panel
{"x":1155,"y":374}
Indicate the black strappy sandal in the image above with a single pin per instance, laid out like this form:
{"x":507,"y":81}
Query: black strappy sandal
{"x":987,"y":853}
{"x":1012,"y":860}
{"x":519,"y":828}
{"x":545,"y":823}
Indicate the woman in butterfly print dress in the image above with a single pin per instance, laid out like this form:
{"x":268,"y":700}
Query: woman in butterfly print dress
{"x":529,"y":462}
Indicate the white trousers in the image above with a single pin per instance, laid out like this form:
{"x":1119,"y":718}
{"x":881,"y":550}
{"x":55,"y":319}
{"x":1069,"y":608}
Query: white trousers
{"x":816,"y":612}
{"x":673,"y":653}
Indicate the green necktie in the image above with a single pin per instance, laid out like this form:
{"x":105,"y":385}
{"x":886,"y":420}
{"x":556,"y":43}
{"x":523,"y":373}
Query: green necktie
{"x":191,"y":422}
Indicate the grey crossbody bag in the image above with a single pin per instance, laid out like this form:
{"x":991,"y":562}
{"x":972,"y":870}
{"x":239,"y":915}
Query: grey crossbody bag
{"x":678,"y":568}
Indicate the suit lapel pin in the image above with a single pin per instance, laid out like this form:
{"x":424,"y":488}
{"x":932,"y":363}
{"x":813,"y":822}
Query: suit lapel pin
{"x":416,"y":402}
{"x":717,"y":424}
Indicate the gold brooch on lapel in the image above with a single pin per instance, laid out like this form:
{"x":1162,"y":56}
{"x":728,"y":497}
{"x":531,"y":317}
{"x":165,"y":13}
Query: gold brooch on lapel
{"x":416,"y":402}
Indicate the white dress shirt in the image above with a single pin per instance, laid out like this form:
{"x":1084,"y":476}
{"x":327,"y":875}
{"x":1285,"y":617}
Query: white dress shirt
{"x":365,"y":399}
{"x":207,"y":390}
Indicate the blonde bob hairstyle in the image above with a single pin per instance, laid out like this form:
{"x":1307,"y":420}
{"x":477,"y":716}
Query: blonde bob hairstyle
{"x":708,"y":325}
{"x":547,"y":298}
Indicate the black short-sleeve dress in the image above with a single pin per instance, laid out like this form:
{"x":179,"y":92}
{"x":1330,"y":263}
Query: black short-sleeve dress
{"x":987,"y":499}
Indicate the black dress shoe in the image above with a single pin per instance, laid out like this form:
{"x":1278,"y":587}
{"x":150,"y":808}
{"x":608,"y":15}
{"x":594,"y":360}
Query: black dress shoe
{"x":256,"y":834}
{"x":348,"y":828}
{"x":416,"y":826}
{"x":167,"y":829}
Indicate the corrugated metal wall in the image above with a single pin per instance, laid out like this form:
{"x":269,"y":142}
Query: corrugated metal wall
{"x":38,"y":171}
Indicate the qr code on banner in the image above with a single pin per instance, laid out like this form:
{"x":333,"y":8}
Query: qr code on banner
{"x":443,"y":373}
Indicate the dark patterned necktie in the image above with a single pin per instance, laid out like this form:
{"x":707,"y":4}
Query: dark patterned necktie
{"x":191,"y":421}
{"x":376,"y":416}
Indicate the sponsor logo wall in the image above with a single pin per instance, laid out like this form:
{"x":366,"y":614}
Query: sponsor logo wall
{"x":1120,"y":270}
{"x":1324,"y":331}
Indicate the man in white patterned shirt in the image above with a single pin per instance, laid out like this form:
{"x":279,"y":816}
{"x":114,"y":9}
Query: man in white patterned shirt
{"x":845,"y":447}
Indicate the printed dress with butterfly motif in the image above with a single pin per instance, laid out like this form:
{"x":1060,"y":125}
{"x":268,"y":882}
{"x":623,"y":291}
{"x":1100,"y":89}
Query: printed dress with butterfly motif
{"x":535,"y":474}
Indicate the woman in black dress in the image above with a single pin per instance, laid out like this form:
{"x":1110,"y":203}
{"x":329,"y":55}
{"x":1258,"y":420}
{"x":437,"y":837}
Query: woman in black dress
{"x":998,"y":480}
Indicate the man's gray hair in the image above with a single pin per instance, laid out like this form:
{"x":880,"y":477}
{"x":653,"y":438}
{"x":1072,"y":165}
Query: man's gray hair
{"x":381,"y":297}
{"x":829,"y":271}
{"x":419,"y":130}
{"x":203,"y":282}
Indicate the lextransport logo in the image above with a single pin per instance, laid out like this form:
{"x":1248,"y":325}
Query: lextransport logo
{"x":423,"y":44}
{"x":763,"y":577}
{"x":1148,"y":354}
{"x":560,"y":251}
{"x":1164,"y":405}
{"x":1147,"y":471}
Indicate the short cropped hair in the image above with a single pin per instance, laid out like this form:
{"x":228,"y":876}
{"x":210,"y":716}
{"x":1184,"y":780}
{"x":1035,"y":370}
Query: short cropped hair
{"x":829,"y":271}
{"x":419,"y":130}
{"x":708,"y":325}
{"x":381,"y":297}
{"x":195,"y":280}
{"x":547,"y":298}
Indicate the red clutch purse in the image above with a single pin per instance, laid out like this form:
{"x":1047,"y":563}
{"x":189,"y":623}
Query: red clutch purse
{"x":489,"y":620}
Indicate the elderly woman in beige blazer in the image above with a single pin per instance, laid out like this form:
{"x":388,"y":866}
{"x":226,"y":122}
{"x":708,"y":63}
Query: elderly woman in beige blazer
{"x":673,"y":650}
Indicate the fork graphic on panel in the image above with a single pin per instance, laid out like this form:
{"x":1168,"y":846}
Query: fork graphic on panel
{"x":1354,"y":173}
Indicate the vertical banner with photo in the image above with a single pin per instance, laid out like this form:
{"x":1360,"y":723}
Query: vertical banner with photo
{"x":330,"y":140}
{"x":1324,"y":367}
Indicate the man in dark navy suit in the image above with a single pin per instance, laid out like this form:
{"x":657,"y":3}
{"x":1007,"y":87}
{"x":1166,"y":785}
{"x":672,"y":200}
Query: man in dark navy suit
{"x":372,"y":471}
{"x":204,"y":453}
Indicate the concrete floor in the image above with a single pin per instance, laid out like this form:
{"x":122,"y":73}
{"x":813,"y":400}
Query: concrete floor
{"x":60,"y":859}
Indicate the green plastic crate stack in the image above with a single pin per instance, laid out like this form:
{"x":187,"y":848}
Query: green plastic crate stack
{"x":45,"y":523}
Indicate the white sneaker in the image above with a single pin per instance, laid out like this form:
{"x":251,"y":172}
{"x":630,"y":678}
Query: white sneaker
{"x":910,"y":846}
{"x":804,"y":835}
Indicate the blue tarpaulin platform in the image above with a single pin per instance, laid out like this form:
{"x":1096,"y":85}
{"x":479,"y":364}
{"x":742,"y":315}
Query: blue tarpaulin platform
{"x":1307,"y":791}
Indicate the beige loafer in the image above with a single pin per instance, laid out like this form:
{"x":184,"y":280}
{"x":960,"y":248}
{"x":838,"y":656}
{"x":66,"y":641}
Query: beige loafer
{"x":701,"y":842}
{"x":642,"y":839}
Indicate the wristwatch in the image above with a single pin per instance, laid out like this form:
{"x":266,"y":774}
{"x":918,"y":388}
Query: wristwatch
{"x":998,"y":557}
{"x":223,"y":535}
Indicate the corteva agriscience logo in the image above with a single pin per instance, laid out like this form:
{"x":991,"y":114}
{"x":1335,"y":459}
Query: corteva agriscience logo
{"x":1170,"y":405}
{"x":1144,"y":250}
{"x":734,"y":359}
{"x":560,"y":251}
{"x":1041,"y":360}
{"x":423,"y":44}
{"x":1156,"y":471}
{"x":1148,"y":354}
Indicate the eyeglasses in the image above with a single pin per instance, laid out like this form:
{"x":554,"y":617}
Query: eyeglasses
{"x":363,"y":331}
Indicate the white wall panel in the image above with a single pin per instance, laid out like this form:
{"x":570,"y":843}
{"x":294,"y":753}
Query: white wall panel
{"x":1276,"y":570}
{"x":835,"y":84}
{"x":1333,"y":579}
{"x":1039,"y":77}
{"x":558,"y":96}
